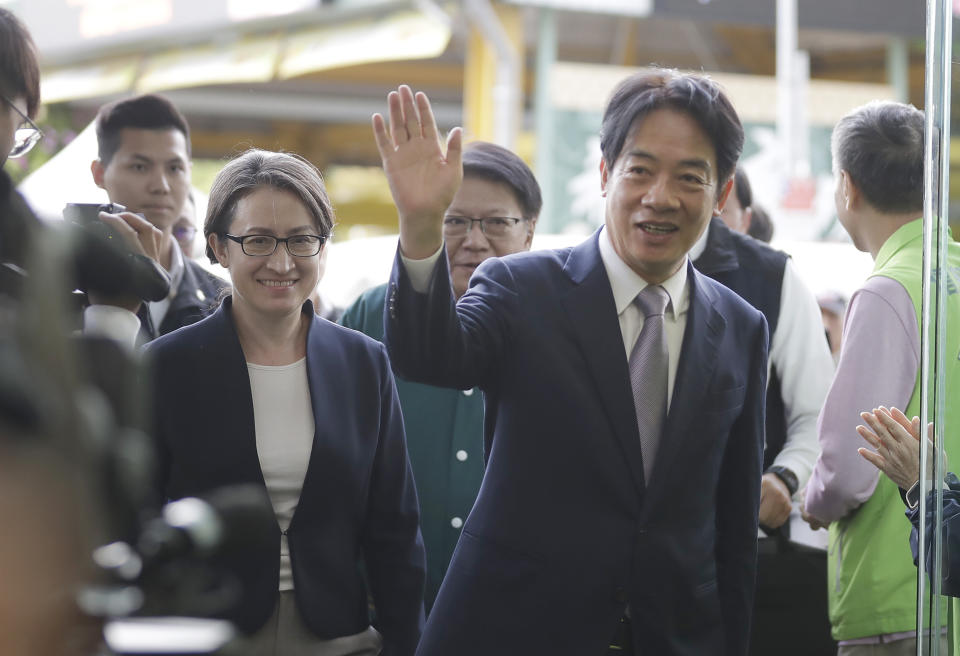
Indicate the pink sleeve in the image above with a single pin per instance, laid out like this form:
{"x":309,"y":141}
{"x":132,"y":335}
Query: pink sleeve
{"x":879,"y":363}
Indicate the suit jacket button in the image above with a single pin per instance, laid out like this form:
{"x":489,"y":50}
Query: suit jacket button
{"x":620,"y":596}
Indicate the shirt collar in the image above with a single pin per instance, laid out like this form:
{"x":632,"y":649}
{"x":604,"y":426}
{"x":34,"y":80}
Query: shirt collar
{"x":626,"y":283}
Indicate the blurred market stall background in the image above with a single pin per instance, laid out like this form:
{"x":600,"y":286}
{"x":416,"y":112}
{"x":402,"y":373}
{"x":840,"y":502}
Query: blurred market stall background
{"x":305,"y":76}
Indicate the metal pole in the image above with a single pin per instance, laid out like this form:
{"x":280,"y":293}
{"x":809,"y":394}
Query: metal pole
{"x":506,"y":90}
{"x":786,"y":67}
{"x":936,"y":200}
{"x":543,"y":108}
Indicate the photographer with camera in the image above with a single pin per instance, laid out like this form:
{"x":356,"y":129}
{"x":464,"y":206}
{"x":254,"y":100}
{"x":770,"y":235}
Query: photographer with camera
{"x":143,"y":163}
{"x":75,"y":466}
{"x":19,"y":228}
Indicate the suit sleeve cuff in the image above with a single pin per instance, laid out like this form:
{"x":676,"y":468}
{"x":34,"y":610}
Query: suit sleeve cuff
{"x":420,"y":272}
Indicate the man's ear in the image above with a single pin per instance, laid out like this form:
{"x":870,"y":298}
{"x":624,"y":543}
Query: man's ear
{"x":219,"y":248}
{"x":723,"y":196}
{"x":97,"y":168}
{"x":531,"y":226}
{"x":848,"y":190}
{"x":603,"y":177}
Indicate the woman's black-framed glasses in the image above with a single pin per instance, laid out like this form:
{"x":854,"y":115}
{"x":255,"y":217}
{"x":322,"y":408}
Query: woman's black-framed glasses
{"x":266,"y":245}
{"x":26,"y":135}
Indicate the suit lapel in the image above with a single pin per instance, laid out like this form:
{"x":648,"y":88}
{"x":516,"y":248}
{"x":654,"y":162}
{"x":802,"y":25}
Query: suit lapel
{"x":698,"y":360}
{"x":322,"y":356}
{"x":236,"y":427}
{"x":593,"y":314}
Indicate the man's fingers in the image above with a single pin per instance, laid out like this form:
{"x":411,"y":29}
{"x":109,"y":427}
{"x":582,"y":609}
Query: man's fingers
{"x":143,"y":228}
{"x":411,"y":117}
{"x":398,"y":129}
{"x":893,"y":428}
{"x":428,"y":122}
{"x":455,"y":146}
{"x":869,"y":436}
{"x":900,"y":418}
{"x":384,"y":143}
{"x":116,"y":222}
{"x":873,"y":458}
{"x":879,"y":430}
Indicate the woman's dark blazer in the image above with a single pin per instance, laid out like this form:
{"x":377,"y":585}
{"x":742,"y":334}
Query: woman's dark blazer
{"x":358,"y":502}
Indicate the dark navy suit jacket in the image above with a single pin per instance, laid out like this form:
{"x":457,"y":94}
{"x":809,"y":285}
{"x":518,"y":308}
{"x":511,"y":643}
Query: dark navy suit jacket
{"x":566,"y":532}
{"x":358,"y":502}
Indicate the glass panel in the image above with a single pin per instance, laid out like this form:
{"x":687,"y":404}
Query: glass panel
{"x":940,"y":349}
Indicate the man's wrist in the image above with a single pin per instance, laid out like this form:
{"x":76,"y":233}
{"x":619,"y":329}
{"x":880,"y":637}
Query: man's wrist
{"x":912,"y":497}
{"x":786,"y":475}
{"x":420,"y":244}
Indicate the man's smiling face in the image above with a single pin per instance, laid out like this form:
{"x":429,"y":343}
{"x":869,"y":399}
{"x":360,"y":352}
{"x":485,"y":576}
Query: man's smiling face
{"x":661,"y":192}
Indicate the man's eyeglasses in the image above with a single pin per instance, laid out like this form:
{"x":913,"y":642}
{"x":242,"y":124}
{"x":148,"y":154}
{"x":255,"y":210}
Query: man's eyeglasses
{"x":493,"y":227}
{"x":266,"y":245}
{"x":26,"y":135}
{"x":184,"y":232}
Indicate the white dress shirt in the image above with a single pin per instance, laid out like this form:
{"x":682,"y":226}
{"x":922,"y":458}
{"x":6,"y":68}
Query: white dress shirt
{"x":626,"y":284}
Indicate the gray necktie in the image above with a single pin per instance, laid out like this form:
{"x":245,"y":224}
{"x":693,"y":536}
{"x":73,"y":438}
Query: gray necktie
{"x":648,"y":373}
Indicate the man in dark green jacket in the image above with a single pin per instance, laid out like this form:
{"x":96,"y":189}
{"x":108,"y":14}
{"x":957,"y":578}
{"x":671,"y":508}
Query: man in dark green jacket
{"x":493,"y":214}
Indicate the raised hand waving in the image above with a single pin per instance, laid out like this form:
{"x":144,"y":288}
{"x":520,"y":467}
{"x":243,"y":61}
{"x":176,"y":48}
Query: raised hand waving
{"x":423,"y":178}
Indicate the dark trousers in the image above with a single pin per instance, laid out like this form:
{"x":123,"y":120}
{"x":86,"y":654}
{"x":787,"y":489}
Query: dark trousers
{"x":790,"y":606}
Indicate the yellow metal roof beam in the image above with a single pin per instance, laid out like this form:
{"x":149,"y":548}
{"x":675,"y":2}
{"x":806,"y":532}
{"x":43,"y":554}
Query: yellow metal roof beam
{"x":480,"y":75}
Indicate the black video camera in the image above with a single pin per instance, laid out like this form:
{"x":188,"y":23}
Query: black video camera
{"x":103,"y":262}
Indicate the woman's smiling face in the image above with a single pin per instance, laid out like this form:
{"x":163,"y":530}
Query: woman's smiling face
{"x":276,"y":284}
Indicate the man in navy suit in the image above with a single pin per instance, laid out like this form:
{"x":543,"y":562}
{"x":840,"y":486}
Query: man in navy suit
{"x":600,"y":524}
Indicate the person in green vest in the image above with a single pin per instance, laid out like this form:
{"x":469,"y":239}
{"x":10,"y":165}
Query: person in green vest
{"x":896,"y":452}
{"x":871,"y":580}
{"x":493,"y":214}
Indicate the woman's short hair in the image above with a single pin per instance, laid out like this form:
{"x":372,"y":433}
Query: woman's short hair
{"x":262,"y":168}
{"x":880,"y":146}
{"x":696,"y":95}
{"x":19,"y":71}
{"x":495,"y":163}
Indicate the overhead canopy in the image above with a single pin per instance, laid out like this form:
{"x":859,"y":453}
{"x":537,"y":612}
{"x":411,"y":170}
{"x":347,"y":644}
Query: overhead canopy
{"x":405,"y":35}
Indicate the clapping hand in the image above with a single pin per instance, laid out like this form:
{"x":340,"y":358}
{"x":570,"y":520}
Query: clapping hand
{"x":423,"y":178}
{"x":897,"y":443}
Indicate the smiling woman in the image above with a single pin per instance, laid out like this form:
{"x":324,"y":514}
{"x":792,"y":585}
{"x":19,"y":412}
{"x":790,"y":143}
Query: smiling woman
{"x":266,"y":392}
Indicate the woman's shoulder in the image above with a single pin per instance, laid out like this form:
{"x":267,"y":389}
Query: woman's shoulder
{"x":189,"y":338}
{"x":345,"y":337}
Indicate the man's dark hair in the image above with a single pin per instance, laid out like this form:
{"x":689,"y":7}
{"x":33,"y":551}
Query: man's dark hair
{"x":880,"y":146}
{"x":497,"y":164}
{"x":19,"y":71}
{"x":149,"y":112}
{"x":696,"y":95}
{"x":761,"y":226}
{"x":741,"y":187}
